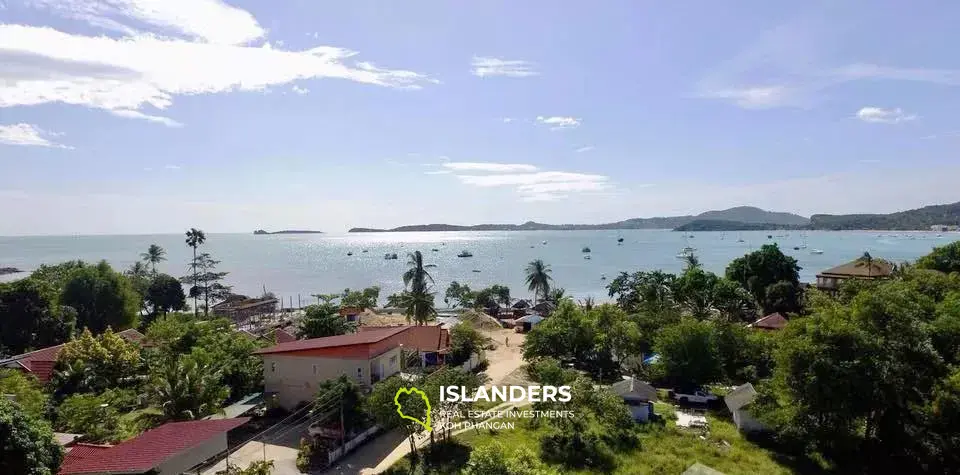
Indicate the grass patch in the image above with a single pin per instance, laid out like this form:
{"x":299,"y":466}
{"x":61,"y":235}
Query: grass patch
{"x":664,"y":448}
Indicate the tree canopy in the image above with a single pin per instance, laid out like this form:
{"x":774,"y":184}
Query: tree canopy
{"x":27,"y":446}
{"x":30,"y":317}
{"x":945,"y":259}
{"x":101,"y":297}
{"x":323,"y":320}
{"x":771,"y":276}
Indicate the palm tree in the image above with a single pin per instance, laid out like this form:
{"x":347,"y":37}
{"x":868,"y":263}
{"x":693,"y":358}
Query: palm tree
{"x":866,"y":260}
{"x":538,"y":278}
{"x":587,"y":303}
{"x":416,"y":274}
{"x":557,"y":295}
{"x":195,"y":238}
{"x":154,"y":255}
{"x":418,"y":304}
{"x":138,"y":270}
{"x":188,"y":387}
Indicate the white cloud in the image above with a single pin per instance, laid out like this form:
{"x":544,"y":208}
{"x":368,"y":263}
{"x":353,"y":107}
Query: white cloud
{"x":584,"y":149}
{"x":487,"y":66}
{"x":759,"y":97}
{"x":541,"y":186}
{"x":41,"y":65}
{"x":211,"y":21}
{"x":791,"y":66}
{"x":132,"y":114}
{"x":884,"y":116}
{"x":559,"y":122}
{"x":439,"y":172}
{"x":489,"y":167}
{"x":172,"y":167}
{"x":299,"y":90}
{"x":507,"y":120}
{"x":28,"y":135}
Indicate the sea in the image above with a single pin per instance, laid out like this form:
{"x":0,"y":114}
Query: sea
{"x":294,"y":266}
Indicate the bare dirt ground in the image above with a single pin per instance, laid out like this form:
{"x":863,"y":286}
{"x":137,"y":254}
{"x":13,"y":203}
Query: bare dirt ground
{"x":506,"y":357}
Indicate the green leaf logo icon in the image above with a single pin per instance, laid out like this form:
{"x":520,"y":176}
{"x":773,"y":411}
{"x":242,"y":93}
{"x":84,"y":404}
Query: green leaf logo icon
{"x":423,"y":395}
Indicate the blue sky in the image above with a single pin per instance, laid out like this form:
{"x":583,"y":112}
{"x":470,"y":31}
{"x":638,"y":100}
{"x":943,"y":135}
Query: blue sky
{"x":143,"y":116}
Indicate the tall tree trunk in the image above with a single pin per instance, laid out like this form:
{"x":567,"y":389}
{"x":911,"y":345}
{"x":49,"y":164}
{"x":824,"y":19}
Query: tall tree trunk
{"x":196,"y":311}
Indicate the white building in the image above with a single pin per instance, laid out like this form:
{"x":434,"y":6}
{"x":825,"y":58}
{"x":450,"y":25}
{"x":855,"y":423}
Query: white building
{"x":738,"y":401}
{"x":638,"y":396}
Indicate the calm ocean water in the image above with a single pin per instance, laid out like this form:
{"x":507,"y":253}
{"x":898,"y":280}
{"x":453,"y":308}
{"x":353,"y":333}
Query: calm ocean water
{"x":289,"y":265}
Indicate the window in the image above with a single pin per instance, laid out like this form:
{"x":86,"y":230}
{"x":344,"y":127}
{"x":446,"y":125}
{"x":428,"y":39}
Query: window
{"x":273,"y":366}
{"x":314,"y":369}
{"x":393,"y":361}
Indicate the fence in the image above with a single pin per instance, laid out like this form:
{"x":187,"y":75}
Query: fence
{"x":335,"y":454}
{"x":471,"y":363}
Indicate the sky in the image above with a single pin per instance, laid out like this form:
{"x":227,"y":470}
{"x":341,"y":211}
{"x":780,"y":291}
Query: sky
{"x":153,"y":116}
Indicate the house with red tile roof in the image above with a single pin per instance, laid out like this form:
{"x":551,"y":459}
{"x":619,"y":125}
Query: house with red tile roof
{"x":40,"y":363}
{"x":170,"y":449}
{"x":293,"y":370}
{"x":774,"y":321}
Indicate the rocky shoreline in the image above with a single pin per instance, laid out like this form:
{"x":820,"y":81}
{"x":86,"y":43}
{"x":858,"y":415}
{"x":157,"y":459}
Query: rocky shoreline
{"x":9,"y":270}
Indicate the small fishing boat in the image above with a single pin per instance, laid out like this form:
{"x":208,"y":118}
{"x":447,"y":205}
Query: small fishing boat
{"x":587,"y":257}
{"x":619,"y":239}
{"x":350,"y":253}
{"x":603,"y":276}
{"x":364,"y":250}
{"x":816,"y":251}
{"x":544,"y":242}
{"x":585,"y":249}
{"x":477,"y":270}
{"x":429,"y":266}
{"x":390,"y":255}
{"x":769,"y":236}
{"x":435,"y":250}
{"x":465,"y":253}
{"x":796,"y":248}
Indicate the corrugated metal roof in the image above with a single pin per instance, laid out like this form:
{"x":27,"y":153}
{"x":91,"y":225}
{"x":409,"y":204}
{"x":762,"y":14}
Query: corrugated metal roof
{"x":148,"y":450}
{"x":361,"y":338}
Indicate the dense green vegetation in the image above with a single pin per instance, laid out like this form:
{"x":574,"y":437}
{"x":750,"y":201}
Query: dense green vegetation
{"x":864,"y":381}
{"x":105,"y":386}
{"x":726,"y":225}
{"x":920,"y":218}
{"x":26,"y":443}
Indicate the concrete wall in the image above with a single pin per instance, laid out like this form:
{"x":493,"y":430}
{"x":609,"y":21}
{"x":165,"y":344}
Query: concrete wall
{"x":183,"y":461}
{"x":640,"y":410}
{"x":746,"y":422}
{"x":295,"y":378}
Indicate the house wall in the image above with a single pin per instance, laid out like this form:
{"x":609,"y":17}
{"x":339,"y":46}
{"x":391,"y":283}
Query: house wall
{"x":294,"y":378}
{"x":183,"y":461}
{"x":640,"y":410}
{"x":746,"y":422}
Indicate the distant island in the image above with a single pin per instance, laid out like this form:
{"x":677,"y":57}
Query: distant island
{"x":726,"y":225}
{"x":741,"y":218}
{"x":9,"y":270}
{"x":743,"y":214}
{"x":288,"y":231}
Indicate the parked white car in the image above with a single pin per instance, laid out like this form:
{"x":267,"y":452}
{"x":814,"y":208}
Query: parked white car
{"x":696,"y":397}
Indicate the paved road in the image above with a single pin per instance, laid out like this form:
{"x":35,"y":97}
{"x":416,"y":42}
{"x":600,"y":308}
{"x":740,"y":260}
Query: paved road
{"x":280,"y":445}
